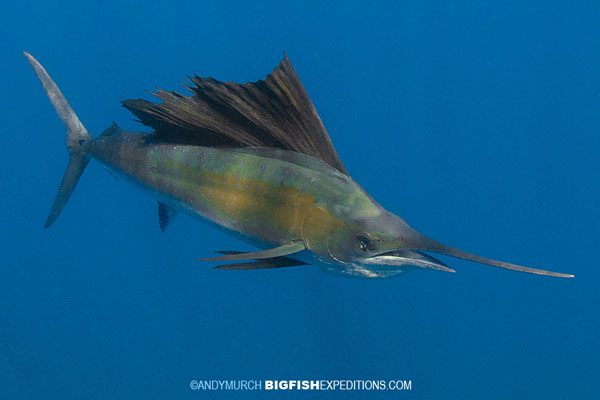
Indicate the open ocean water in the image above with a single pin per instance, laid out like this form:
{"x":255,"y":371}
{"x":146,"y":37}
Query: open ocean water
{"x":477,"y":122}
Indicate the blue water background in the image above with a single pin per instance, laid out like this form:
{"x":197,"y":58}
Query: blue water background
{"x":478,"y":122}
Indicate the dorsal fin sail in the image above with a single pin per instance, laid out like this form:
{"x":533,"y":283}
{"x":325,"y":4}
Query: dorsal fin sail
{"x":275,"y":112}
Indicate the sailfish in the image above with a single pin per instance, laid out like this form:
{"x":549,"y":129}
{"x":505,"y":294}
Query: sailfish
{"x":255,"y":160}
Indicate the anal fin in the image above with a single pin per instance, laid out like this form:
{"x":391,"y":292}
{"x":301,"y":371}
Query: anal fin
{"x":165,"y":216}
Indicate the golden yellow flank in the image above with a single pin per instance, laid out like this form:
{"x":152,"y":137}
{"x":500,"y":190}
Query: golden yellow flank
{"x":319,"y":224}
{"x":282,"y":209}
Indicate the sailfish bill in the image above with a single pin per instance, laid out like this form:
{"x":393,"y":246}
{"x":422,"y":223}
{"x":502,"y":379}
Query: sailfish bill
{"x":436,"y":247}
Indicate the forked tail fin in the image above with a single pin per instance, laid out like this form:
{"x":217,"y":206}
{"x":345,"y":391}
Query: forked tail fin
{"x":76,"y":140}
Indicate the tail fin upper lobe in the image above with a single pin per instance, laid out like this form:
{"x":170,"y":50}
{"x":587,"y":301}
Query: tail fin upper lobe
{"x":76,"y":140}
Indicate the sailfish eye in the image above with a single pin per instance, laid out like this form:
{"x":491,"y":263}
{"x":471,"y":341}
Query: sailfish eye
{"x":364,"y":243}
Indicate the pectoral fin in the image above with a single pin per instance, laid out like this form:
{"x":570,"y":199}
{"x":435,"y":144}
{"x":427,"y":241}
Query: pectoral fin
{"x":284,"y":250}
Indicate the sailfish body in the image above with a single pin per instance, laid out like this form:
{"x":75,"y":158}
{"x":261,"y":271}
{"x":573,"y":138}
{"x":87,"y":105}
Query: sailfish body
{"x":246,"y":191}
{"x":256,"y":160}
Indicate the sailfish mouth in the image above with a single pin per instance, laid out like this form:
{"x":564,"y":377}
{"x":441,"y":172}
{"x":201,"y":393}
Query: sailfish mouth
{"x":406,"y":259}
